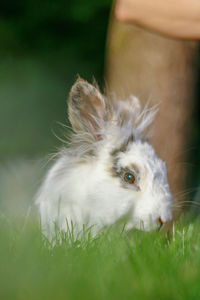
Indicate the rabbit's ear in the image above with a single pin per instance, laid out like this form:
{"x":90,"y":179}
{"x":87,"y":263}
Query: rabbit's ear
{"x":86,"y":107}
{"x":134,"y":102}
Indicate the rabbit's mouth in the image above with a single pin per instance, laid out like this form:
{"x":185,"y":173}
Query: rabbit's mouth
{"x":160,"y":223}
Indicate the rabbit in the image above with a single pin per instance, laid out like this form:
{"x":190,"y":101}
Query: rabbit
{"x":108,"y":171}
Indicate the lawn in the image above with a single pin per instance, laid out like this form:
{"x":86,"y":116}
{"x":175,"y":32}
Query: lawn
{"x":113,"y":265}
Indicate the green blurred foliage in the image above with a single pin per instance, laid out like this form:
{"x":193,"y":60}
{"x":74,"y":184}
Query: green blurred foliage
{"x":43,"y":46}
{"x":45,"y":26}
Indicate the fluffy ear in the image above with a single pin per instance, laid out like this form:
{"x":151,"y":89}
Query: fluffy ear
{"x":134,"y":103}
{"x":86,"y":107}
{"x":131,"y":107}
{"x":126,"y":111}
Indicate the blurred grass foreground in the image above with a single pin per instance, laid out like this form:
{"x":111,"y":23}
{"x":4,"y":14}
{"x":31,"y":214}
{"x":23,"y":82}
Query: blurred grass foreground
{"x":43,"y":46}
{"x":113,"y":265}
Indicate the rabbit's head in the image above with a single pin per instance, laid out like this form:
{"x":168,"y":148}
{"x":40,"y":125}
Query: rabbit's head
{"x":125,"y":177}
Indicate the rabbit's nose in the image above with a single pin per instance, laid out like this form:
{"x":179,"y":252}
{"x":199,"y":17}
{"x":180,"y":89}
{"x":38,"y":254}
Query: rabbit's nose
{"x":161,"y":223}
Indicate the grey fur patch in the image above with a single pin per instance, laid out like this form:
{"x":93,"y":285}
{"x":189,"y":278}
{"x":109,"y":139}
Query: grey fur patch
{"x":117,"y":172}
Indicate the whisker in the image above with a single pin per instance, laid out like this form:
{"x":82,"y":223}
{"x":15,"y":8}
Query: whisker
{"x":189,"y":190}
{"x":184,"y":152}
{"x":189,"y":204}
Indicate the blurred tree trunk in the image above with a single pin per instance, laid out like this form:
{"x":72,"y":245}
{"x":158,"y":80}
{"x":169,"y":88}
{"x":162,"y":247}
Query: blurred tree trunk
{"x":161,"y":70}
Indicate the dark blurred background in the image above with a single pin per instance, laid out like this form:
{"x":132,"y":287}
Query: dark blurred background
{"x":43,"y":46}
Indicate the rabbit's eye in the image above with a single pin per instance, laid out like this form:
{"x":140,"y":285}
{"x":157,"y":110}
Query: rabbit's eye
{"x":129,"y":177}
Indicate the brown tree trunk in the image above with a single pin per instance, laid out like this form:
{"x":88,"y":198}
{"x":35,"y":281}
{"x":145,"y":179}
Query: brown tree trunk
{"x":161,"y":70}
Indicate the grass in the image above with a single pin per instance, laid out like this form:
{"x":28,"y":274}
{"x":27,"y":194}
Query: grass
{"x":112,"y":265}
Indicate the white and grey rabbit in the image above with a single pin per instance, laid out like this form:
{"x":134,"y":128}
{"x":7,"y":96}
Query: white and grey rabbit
{"x":108,"y":171}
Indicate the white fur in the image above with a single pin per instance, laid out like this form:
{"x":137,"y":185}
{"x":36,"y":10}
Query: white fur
{"x":80,"y":188}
